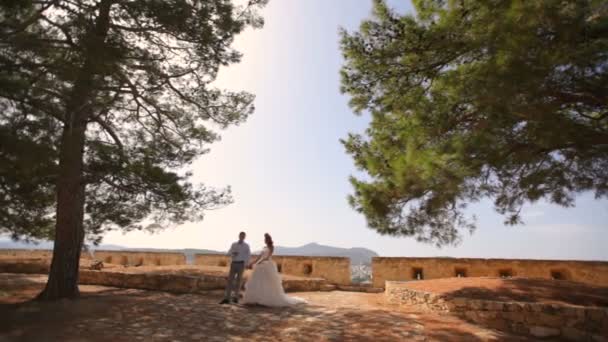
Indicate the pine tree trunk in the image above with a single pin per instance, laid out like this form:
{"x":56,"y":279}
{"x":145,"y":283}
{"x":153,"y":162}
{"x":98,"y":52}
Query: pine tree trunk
{"x":69,"y":230}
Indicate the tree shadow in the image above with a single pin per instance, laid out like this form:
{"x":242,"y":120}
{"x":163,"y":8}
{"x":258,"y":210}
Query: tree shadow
{"x":118,"y":314}
{"x":531,"y":290}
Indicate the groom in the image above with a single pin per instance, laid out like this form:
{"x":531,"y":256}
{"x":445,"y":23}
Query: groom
{"x":240,"y":254}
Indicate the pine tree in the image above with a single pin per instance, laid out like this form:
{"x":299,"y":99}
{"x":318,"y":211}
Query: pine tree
{"x":103,"y":105}
{"x":502,"y":100}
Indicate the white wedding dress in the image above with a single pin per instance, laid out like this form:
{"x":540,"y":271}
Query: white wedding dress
{"x":264,"y":287}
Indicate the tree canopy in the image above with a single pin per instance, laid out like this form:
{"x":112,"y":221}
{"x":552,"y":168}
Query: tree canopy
{"x":502,"y":100}
{"x":103,"y":105}
{"x":141,"y":72}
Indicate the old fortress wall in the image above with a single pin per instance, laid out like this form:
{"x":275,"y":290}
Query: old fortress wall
{"x":140,"y":258}
{"x":336,"y":270}
{"x":402,"y":269}
{"x":26,"y":253}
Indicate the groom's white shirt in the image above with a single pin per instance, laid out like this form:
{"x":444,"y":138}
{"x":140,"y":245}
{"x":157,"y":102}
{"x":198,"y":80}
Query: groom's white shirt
{"x":242,"y":250}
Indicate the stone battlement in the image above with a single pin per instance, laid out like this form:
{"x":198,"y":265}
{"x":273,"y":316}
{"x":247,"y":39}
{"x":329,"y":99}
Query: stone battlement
{"x":134,"y":258}
{"x":401,"y":269}
{"x":335,"y":270}
{"x":27,"y":254}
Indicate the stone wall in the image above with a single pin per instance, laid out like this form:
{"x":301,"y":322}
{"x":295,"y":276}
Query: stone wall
{"x":26,"y":253}
{"x":333,"y":269}
{"x":541,"y":320}
{"x":140,"y":258}
{"x":400,"y":269}
{"x":180,"y":283}
{"x":177,"y":283}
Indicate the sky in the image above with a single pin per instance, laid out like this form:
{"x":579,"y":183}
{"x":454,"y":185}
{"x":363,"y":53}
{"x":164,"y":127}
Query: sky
{"x":289,"y":172}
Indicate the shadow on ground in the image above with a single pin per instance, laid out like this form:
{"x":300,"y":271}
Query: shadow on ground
{"x":103,"y":314}
{"x":535,"y":291}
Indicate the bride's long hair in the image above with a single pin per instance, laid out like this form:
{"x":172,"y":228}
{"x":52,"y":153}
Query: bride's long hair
{"x":268,"y":241}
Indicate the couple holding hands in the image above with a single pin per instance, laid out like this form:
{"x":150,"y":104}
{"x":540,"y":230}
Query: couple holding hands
{"x":264,"y":287}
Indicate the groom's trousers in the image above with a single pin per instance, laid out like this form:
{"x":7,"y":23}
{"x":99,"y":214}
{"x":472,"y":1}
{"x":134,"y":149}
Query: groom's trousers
{"x":235,"y":277}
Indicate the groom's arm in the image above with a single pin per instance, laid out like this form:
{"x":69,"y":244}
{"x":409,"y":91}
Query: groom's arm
{"x":231,"y":250}
{"x":247,"y":255}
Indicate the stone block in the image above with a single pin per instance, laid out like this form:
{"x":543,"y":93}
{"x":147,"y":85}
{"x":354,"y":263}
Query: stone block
{"x":498,"y":324}
{"x":329,"y":287}
{"x":450,"y":306}
{"x":573,"y":311}
{"x":520,"y":328}
{"x":551,"y":320}
{"x":495,"y":306}
{"x":487,"y":315}
{"x":536,"y":307}
{"x":471,"y":315}
{"x":514,"y":307}
{"x":459,"y":302}
{"x":573,"y":334}
{"x":544,"y":332}
{"x":595,"y":314}
{"x":183,"y":284}
{"x":599,"y":338}
{"x":516,"y":317}
{"x":477,"y":304}
{"x":137,"y":281}
{"x":550,"y":309}
{"x":374,"y":290}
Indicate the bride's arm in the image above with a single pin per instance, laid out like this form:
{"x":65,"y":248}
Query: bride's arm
{"x":257,"y":260}
{"x":266,"y":256}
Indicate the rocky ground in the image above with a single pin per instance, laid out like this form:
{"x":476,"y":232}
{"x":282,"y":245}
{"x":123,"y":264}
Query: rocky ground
{"x":111,"y":314}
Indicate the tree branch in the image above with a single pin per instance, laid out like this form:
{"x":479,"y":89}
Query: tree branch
{"x":108,"y":129}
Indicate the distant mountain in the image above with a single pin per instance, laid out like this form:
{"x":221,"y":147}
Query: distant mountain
{"x":10,"y":244}
{"x":357,"y":255}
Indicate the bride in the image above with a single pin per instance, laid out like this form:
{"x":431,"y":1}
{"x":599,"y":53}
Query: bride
{"x":264,"y":286}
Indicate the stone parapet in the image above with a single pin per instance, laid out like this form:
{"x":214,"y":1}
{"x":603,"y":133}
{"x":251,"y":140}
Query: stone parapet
{"x":26,"y":254}
{"x":176,"y":283}
{"x":402,"y":269}
{"x":180,"y":283}
{"x":334,"y":270}
{"x":128,"y":258}
{"x":541,"y":320}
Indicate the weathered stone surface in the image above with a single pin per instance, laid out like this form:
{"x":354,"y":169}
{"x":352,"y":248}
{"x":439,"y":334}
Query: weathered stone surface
{"x":599,"y":338}
{"x":520,"y":328}
{"x":595,"y":314}
{"x":495,"y":306}
{"x":335,"y":270}
{"x":516,"y":317}
{"x":476,"y":304}
{"x":459,"y":302}
{"x":552,"y":320}
{"x":471,"y":316}
{"x":542,"y":332}
{"x":400,"y":269}
{"x":546,"y":319}
{"x":328,"y":287}
{"x":573,"y":334}
{"x":514,"y":307}
{"x":487,"y":315}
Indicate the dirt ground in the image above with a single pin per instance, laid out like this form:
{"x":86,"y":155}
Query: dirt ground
{"x":111,"y":314}
{"x":517,"y":289}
